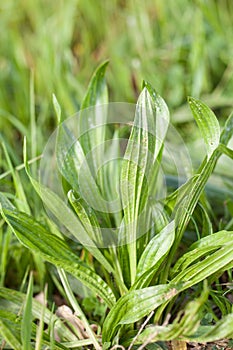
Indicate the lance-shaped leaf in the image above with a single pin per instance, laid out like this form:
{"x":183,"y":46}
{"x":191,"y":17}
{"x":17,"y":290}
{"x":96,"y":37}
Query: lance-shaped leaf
{"x":213,"y":263}
{"x":35,"y":237}
{"x":136,"y":304}
{"x":185,"y":205}
{"x":162,"y":118}
{"x":203,"y":334}
{"x":227,"y":131}
{"x":66,"y":217}
{"x":203,"y":247}
{"x":207,"y":123}
{"x":186,"y":323}
{"x":97,"y":93}
{"x":87,"y":217}
{"x":137,"y":173}
{"x":74,"y":165}
{"x":153,"y":255}
{"x":92,"y":121}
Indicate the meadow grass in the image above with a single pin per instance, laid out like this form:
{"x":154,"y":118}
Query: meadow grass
{"x":52,"y":48}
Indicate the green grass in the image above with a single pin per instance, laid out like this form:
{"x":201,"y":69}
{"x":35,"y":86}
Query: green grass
{"x":182,"y":265}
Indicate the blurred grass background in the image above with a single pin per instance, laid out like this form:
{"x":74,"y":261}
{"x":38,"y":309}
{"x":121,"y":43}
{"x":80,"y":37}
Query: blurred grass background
{"x":181,"y":47}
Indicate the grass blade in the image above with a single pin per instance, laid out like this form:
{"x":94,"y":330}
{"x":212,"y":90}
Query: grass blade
{"x":77,"y":309}
{"x":20,"y":194}
{"x":26,"y":327}
{"x":40,"y":328}
{"x":18,"y":298}
{"x":8,"y":333}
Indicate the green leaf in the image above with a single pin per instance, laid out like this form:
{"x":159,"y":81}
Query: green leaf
{"x":137,"y":175}
{"x":207,"y":123}
{"x":136,"y":304}
{"x":211,"y":264}
{"x":92,"y":122}
{"x":110,"y":185}
{"x":10,"y":331}
{"x":133,"y":175}
{"x":57,"y":109}
{"x":18,"y":298}
{"x":154,"y":254}
{"x":221,"y":330}
{"x":74,"y":166}
{"x":87,"y":217}
{"x":186,"y":322}
{"x":162,"y":117}
{"x":203,"y":334}
{"x":185,"y":205}
{"x":7,"y":330}
{"x":203,"y":247}
{"x":34,"y":236}
{"x":227,"y":131}
{"x":97,"y":90}
{"x":66,"y":217}
{"x":26,"y":327}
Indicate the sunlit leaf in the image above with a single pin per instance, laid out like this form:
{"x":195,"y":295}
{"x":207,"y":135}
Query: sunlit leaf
{"x":153,"y":255}
{"x":136,"y":304}
{"x":207,"y":123}
{"x":138,"y":168}
{"x":203,"y":247}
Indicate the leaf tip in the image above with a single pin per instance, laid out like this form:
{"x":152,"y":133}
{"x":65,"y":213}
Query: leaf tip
{"x":57,"y":108}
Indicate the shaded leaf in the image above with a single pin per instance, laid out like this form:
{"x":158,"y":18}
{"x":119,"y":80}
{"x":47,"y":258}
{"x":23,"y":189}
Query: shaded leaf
{"x":18,"y":298}
{"x":227,"y":131}
{"x":34,"y":236}
{"x":7,"y":330}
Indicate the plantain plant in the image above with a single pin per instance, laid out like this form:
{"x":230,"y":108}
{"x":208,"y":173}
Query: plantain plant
{"x":154,"y":286}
